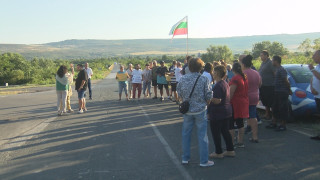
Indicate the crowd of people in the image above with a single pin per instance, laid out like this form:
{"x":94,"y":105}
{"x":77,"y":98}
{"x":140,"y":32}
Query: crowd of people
{"x":225,"y":95}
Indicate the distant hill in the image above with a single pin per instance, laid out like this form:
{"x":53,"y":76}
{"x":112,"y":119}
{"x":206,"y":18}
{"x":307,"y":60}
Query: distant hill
{"x":75,"y":49}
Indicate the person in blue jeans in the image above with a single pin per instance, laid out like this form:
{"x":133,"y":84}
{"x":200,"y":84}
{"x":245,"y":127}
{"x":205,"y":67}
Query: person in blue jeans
{"x":90,"y":73}
{"x":196,"y":115}
{"x":122,"y":77}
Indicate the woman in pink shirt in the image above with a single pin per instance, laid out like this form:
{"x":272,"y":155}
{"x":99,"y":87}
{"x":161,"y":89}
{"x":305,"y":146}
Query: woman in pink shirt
{"x":254,"y":83}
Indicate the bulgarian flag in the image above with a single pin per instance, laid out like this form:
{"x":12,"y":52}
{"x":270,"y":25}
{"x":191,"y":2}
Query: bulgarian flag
{"x":180,"y":28}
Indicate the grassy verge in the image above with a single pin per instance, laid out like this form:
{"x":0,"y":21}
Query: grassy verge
{"x":13,"y":87}
{"x":19,"y":89}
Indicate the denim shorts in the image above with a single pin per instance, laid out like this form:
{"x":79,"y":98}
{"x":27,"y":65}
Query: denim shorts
{"x":252,"y":111}
{"x":81,"y":94}
{"x":123,"y":86}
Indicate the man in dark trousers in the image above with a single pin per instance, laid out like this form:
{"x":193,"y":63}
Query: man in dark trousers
{"x":81,"y":87}
{"x":280,"y":107}
{"x":267,"y":73}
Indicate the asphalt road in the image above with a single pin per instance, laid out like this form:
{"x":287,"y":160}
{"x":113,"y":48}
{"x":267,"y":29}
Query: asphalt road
{"x":131,"y":140}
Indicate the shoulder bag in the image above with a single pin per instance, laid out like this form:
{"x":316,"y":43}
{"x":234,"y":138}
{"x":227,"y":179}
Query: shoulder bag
{"x":184,"y":106}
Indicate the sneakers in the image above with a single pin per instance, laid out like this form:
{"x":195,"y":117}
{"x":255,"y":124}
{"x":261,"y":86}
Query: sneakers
{"x":271,"y":126}
{"x":80,"y":111}
{"x":70,"y":111}
{"x":85,"y":110}
{"x":184,"y":162}
{"x":281,"y":128}
{"x":162,"y":99}
{"x":259,"y":122}
{"x":170,"y":97}
{"x":240,"y":145}
{"x":208,"y":164}
{"x":248,"y":130}
{"x":61,"y":113}
{"x":215,"y":155}
{"x":155,"y":97}
{"x":229,"y":154}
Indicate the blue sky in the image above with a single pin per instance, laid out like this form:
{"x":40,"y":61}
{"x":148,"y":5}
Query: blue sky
{"x":42,"y":21}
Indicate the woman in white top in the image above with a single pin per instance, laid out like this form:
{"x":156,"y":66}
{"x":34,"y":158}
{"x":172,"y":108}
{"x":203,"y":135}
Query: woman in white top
{"x":178,"y":71}
{"x":136,"y":81}
{"x":208,"y":72}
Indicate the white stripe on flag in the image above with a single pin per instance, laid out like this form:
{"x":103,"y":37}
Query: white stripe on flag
{"x":177,"y":24}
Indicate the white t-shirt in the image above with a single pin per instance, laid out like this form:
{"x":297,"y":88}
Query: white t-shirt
{"x":208,"y":75}
{"x":137,"y":76}
{"x":316,"y":82}
{"x":89,"y":72}
{"x":178,"y":74}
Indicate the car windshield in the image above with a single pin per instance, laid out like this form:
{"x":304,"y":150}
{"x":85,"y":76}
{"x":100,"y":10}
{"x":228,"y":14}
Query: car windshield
{"x":300,"y":74}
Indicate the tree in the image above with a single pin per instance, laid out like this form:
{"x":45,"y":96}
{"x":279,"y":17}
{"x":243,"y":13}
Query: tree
{"x":316,"y":43}
{"x":274,"y":48}
{"x":278,"y":49}
{"x":306,"y":47}
{"x":260,"y":46}
{"x":13,"y":68}
{"x":216,"y":53}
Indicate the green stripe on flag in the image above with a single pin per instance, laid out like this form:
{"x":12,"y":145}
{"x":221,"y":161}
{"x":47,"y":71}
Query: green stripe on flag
{"x":182,"y":25}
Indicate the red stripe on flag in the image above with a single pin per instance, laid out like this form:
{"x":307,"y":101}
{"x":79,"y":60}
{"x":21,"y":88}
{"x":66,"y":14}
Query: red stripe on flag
{"x":180,"y":31}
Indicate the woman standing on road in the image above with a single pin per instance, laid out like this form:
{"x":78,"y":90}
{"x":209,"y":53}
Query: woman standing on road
{"x":129,"y":71}
{"x":254,"y":83}
{"x":69,"y":93}
{"x":208,"y":72}
{"x":220,"y":113}
{"x":240,"y":102}
{"x":62,"y":87}
{"x":201,"y":96}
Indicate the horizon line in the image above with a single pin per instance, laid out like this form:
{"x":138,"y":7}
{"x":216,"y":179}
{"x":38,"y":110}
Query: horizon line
{"x":179,"y":37}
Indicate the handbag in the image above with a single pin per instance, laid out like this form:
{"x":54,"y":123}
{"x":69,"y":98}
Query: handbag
{"x":184,"y":106}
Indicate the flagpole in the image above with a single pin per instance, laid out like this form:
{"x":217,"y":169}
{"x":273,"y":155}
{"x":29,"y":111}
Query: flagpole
{"x":187,"y":36}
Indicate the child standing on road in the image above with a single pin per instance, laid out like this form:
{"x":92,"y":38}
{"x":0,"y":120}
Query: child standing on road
{"x":122,"y":81}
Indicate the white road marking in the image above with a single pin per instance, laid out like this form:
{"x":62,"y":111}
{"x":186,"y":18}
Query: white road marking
{"x":300,"y":132}
{"x":170,"y":152}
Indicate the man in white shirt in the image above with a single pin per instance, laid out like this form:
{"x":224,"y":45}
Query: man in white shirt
{"x":90,"y":73}
{"x":315,"y":83}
